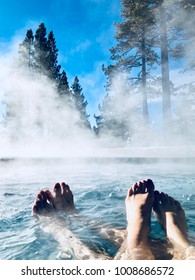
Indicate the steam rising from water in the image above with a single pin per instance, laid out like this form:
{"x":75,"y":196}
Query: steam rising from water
{"x":45,"y":126}
{"x":40,"y":124}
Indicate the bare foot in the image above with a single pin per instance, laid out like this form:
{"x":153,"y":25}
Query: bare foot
{"x":63,"y":198}
{"x":43,"y":203}
{"x":46,"y":202}
{"x":171,"y":216}
{"x":139,"y":202}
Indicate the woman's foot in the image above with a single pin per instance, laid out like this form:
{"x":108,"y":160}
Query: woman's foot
{"x":63,"y":198}
{"x":46,"y":202}
{"x":139,"y":202}
{"x":171,"y":216}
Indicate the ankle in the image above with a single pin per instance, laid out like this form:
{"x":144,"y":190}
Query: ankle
{"x":137,"y":236}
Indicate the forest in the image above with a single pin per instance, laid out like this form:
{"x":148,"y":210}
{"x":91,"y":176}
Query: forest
{"x":151,"y":36}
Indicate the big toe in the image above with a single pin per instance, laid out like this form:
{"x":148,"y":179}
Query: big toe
{"x":65,"y":188}
{"x":150,"y":186}
{"x":67,"y":193}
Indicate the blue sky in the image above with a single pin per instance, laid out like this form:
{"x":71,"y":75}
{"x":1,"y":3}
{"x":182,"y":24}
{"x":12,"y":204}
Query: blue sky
{"x":84,"y":33}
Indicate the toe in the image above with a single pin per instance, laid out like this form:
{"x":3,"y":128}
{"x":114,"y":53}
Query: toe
{"x":34,"y":208}
{"x":67,"y":193}
{"x":157,"y":195}
{"x":166,"y":200}
{"x":49,"y":198}
{"x":39,"y":204}
{"x":156,"y":200}
{"x":172,"y":200}
{"x":129,"y":192}
{"x":48,"y":195}
{"x":144,"y":186}
{"x":57,"y":188}
{"x":150,"y":186}
{"x":65,"y":188}
{"x":40,"y":199}
{"x":163,"y":198}
{"x":134,"y":188}
{"x":141,"y":188}
{"x":178,"y":205}
{"x":43,"y":197}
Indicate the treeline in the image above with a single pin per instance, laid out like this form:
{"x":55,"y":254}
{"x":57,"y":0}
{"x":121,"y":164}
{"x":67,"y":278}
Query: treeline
{"x":151,"y":34}
{"x":38,"y":54}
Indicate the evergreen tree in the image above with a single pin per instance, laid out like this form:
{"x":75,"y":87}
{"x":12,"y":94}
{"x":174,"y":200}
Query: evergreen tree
{"x":113,"y":120}
{"x":171,"y":38}
{"x":147,"y":26}
{"x":52,"y":58}
{"x":110,"y":73}
{"x":65,"y":94}
{"x":26,"y":51}
{"x":101,"y":119}
{"x":80,"y":103}
{"x":41,"y":49}
{"x":188,"y":21}
{"x":118,"y":113}
{"x":63,"y":86}
{"x":165,"y":68}
{"x":134,"y":48}
{"x":46,"y":54}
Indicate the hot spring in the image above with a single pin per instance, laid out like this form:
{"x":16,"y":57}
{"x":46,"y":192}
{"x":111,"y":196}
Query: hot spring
{"x":99,"y":187}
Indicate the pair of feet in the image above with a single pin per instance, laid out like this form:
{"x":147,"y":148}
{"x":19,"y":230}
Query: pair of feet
{"x":140,"y":201}
{"x":47,"y":203}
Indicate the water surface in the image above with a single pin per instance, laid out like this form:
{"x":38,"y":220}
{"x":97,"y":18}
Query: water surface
{"x":99,"y":189}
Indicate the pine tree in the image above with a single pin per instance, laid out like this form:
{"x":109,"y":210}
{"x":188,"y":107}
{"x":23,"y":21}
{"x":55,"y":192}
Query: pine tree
{"x":113,"y":120}
{"x":101,"y":120}
{"x":52,"y":58}
{"x":147,"y":26}
{"x":63,"y":86}
{"x":80,"y":103}
{"x":188,"y":21}
{"x":26,"y":51}
{"x":46,"y":54}
{"x":41,"y":49}
{"x":165,"y":68}
{"x":171,"y":38}
{"x":63,"y":89}
{"x":110,"y":73}
{"x":134,"y":48}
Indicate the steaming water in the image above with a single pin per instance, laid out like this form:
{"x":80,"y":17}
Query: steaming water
{"x":99,"y":190}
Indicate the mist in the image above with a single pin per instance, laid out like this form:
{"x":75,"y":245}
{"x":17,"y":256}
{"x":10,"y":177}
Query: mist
{"x":42,"y":125}
{"x":147,"y":138}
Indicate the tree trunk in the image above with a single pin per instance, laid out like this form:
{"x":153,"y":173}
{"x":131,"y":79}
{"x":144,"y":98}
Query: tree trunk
{"x":166,"y":106}
{"x":144,"y":91}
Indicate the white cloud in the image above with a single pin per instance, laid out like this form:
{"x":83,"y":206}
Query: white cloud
{"x":81,"y":47}
{"x":180,"y":77}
